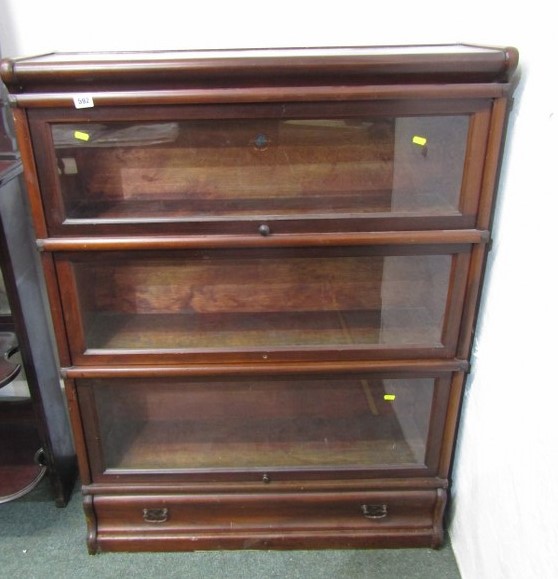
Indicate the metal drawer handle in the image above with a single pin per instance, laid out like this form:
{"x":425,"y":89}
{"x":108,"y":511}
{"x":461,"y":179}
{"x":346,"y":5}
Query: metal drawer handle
{"x":374,"y":511}
{"x":156,"y":515}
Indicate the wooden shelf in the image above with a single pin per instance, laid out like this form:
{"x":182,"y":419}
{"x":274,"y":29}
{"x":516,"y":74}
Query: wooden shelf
{"x":409,"y":326}
{"x":158,"y":447}
{"x":186,"y":207}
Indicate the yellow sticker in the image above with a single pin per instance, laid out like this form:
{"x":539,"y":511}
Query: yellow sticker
{"x":419,"y":140}
{"x":81,"y":135}
{"x":390,"y":397}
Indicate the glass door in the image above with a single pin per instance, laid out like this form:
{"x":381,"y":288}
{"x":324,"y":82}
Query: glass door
{"x":249,"y":304}
{"x":333,"y":167}
{"x":271,"y":425}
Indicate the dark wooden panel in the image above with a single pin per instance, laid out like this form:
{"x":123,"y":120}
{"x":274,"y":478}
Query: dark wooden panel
{"x":395,"y":64}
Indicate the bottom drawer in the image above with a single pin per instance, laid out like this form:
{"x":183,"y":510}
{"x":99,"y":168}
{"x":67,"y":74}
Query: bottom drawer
{"x":274,"y":520}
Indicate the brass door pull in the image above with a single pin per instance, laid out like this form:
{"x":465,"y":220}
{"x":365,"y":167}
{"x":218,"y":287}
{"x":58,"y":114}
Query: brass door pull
{"x":156,"y":515}
{"x":374,"y":511}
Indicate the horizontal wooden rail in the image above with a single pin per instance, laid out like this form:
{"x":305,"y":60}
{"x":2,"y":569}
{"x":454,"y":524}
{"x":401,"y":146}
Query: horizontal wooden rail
{"x":411,"y":367}
{"x":264,"y":94}
{"x":145,"y":242}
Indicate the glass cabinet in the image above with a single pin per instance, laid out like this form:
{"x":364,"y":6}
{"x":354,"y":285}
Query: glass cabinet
{"x":263,"y":268}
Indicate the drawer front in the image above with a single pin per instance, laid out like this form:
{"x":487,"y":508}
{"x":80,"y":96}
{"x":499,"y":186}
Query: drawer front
{"x":264,"y":429}
{"x":333,"y":167}
{"x":254,"y":305}
{"x":256,"y":521}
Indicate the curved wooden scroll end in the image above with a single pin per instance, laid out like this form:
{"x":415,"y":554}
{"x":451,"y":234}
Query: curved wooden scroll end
{"x":92,"y":545}
{"x":438,"y":522}
{"x":7,"y":71}
{"x":512,"y":61}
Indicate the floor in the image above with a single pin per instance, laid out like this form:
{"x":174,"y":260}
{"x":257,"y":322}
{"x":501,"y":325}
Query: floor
{"x":39,"y":540}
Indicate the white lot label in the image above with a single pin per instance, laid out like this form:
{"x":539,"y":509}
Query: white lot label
{"x":83,"y":101}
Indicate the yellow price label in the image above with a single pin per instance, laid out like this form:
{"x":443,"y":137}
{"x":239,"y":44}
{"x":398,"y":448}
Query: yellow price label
{"x":81,"y":136}
{"x":421,"y":141}
{"x":389,"y":397}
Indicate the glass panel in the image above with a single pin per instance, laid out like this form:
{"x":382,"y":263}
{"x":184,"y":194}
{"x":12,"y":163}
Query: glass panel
{"x":343,"y":421}
{"x":208,"y":302}
{"x":274,"y":167}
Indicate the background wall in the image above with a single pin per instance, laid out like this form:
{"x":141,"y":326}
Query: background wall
{"x":504,"y":523}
